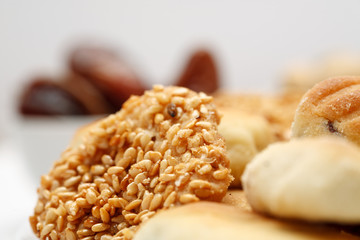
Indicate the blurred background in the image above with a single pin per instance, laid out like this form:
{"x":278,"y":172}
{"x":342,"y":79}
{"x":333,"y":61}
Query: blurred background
{"x":257,"y":46}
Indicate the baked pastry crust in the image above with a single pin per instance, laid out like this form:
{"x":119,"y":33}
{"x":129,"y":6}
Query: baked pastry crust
{"x":331,"y":107}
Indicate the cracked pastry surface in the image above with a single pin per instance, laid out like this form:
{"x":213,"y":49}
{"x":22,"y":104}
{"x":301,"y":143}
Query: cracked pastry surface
{"x":332,"y":107}
{"x":162,"y":149}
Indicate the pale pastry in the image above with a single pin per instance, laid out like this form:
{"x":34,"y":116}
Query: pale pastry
{"x":214,"y":221}
{"x":312,"y":179}
{"x":245,"y":135}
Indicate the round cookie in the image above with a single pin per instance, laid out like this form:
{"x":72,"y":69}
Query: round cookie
{"x":314,"y":179}
{"x":213,"y":221}
{"x":300,"y":77}
{"x":278,"y":109}
{"x":162,"y":149}
{"x":332,"y":107}
{"x":245,"y":134}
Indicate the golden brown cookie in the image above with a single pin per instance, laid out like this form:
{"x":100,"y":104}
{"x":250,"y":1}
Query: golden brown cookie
{"x":162,"y":149}
{"x":331,"y":107}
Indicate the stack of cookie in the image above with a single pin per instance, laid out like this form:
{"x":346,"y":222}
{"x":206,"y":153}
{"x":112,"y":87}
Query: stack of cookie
{"x":318,"y":171}
{"x":302,"y":186}
{"x":161,"y":168}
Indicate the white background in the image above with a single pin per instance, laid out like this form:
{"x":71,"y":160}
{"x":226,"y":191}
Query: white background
{"x":254,"y":42}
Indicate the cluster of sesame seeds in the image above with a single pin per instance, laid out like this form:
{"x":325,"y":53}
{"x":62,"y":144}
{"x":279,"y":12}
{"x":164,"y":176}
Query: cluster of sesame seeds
{"x":162,"y":149}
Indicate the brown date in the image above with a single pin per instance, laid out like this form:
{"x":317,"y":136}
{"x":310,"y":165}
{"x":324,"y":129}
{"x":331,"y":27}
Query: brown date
{"x":105,"y":70}
{"x":200,"y":74}
{"x":43,"y":96}
{"x":71,"y":95}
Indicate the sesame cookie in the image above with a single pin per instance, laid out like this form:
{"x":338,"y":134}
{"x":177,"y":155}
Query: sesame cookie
{"x":331,"y":107}
{"x":312,"y":179}
{"x":162,"y":149}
